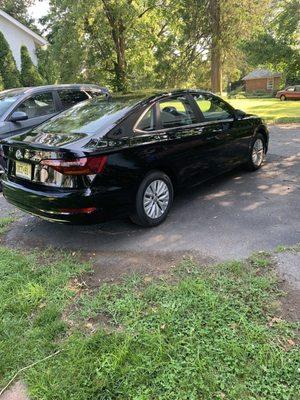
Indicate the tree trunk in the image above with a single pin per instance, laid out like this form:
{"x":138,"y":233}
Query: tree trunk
{"x":118,"y":36}
{"x":215,"y":50}
{"x":120,"y":64}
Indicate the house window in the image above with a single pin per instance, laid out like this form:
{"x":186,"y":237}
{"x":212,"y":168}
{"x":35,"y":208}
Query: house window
{"x":270,"y":84}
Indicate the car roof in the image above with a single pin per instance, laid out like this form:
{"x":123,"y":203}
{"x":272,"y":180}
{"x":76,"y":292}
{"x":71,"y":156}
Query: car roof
{"x":154,"y":96}
{"x":34,"y":89}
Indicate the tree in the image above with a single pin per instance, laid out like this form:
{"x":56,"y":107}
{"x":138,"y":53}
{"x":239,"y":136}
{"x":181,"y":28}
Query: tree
{"x":8,"y":70}
{"x":109,"y":41}
{"x":47,"y":66}
{"x":18,"y":9}
{"x":277,"y":45}
{"x":29,"y":73}
{"x":231,"y":21}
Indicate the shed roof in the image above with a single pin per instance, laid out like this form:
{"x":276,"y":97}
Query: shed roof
{"x":261,"y":73}
{"x":37,"y":38}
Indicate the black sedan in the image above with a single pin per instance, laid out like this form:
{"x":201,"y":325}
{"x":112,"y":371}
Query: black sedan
{"x":110,"y":157}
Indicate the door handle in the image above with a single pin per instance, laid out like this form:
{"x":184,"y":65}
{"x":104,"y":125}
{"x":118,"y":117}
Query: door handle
{"x":220,"y":130}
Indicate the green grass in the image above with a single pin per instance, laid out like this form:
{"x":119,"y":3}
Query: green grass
{"x":206,"y":334}
{"x":282,"y":249}
{"x":5,"y":223}
{"x":272,"y":110}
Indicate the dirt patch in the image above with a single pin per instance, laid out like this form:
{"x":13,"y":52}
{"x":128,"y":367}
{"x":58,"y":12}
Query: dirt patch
{"x":114,"y":266}
{"x":16,"y":392}
{"x":290,"y":304}
{"x":288,"y":269}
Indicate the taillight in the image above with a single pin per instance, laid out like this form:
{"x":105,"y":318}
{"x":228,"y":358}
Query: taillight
{"x":78,"y":166}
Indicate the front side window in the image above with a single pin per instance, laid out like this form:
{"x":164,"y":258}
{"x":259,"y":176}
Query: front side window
{"x":38,"y":105}
{"x":147,"y":121}
{"x":71,"y":97}
{"x":213,"y":108}
{"x":6,"y":101}
{"x":176,"y":112}
{"x":290,"y":89}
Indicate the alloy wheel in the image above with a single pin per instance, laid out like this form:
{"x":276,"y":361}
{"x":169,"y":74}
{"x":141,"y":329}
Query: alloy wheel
{"x":258,"y":152}
{"x":156,"y":199}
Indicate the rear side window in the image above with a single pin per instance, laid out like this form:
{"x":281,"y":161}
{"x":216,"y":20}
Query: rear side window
{"x":213,"y":108}
{"x":71,"y":97}
{"x":147,"y":122}
{"x":176,"y":112}
{"x":38,"y":105}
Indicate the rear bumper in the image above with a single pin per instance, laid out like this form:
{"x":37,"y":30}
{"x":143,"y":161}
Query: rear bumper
{"x":71,"y":206}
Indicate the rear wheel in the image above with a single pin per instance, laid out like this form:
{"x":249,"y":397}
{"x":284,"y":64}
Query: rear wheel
{"x":282,"y":97}
{"x":153,"y":200}
{"x":257,"y":153}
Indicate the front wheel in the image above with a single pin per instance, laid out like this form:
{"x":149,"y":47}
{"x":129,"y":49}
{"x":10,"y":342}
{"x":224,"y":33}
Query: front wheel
{"x":282,"y":97}
{"x":256,"y":154}
{"x":153,"y":200}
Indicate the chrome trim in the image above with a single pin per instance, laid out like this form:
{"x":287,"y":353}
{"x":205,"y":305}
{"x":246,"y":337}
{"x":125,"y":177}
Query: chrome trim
{"x":198,"y":124}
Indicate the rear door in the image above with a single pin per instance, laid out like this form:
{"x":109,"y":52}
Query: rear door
{"x":38,"y":107}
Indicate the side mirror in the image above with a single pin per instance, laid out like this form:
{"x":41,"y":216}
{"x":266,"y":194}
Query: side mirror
{"x":18,"y":116}
{"x":240,"y":114}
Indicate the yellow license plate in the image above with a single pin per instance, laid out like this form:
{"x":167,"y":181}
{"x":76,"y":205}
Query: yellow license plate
{"x":23,"y":170}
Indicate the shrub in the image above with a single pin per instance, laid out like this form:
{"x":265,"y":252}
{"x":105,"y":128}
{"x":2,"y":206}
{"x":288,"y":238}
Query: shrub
{"x":8,"y":69}
{"x":29,"y":73}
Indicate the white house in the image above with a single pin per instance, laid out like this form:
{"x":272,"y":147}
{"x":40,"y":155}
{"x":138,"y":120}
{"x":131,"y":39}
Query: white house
{"x":18,"y":35}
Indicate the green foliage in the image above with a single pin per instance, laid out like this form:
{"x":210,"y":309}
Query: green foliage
{"x":18,"y":9}
{"x":29,"y":73}
{"x":8,"y":70}
{"x":276,"y":46}
{"x":1,"y":83}
{"x":47,"y":67}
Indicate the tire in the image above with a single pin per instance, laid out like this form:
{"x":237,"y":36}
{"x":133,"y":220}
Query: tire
{"x":282,"y":97}
{"x":257,"y":153}
{"x":154,"y":200}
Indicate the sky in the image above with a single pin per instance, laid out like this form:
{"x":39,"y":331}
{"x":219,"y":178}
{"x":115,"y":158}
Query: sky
{"x":39,"y":9}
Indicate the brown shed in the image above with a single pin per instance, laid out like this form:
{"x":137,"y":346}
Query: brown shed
{"x":262,"y":79}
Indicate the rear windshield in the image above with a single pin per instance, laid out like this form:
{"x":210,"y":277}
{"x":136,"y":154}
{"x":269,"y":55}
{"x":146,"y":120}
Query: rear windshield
{"x":6,"y":100}
{"x":88,"y":117}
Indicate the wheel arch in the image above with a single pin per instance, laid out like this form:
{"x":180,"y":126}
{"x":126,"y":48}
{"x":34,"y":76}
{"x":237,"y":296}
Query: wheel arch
{"x":264,"y":132}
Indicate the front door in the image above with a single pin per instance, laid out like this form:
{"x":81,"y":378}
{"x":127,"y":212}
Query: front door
{"x":185,"y":148}
{"x":38,"y":108}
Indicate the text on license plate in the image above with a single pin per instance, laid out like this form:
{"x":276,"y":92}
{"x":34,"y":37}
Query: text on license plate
{"x":23,"y":170}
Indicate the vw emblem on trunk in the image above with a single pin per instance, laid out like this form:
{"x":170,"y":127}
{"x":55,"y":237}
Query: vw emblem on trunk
{"x":18,"y":154}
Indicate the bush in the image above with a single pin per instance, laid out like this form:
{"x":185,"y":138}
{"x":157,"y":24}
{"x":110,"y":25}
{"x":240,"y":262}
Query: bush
{"x":29,"y":73}
{"x":8,"y":69}
{"x":260,"y":93}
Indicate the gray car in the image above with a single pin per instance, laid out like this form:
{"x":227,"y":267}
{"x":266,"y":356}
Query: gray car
{"x":24,"y":108}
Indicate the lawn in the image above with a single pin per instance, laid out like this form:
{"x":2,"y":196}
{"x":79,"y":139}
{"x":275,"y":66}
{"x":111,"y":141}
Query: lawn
{"x":272,"y":110}
{"x":201,"y":333}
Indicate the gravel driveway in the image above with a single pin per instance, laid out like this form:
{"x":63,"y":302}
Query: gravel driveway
{"x":229,"y":217}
